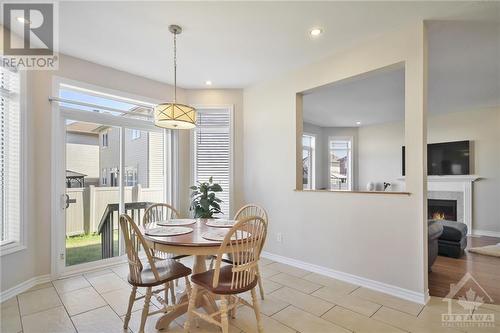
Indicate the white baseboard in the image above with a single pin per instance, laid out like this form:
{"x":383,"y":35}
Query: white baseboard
{"x":477,"y":232}
{"x":406,"y":294}
{"x":23,"y":286}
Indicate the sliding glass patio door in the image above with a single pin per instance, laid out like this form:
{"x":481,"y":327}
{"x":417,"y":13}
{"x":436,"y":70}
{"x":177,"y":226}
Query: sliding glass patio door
{"x":108,"y":163}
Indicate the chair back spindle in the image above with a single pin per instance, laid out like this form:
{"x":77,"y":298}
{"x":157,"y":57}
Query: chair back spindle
{"x":252,"y":210}
{"x":134,"y":240}
{"x":243,"y":242}
{"x":159,"y":212}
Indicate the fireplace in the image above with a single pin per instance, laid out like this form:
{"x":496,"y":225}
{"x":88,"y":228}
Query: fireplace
{"x":440,"y":209}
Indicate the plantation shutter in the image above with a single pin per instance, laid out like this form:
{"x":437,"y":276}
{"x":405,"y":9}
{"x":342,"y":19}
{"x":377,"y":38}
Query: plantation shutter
{"x":212,"y":149}
{"x":10,"y":151}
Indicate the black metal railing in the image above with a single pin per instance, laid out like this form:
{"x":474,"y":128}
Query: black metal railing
{"x":110,"y":222}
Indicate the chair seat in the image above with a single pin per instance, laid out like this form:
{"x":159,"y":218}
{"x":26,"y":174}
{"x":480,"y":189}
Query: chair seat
{"x":205,"y":280}
{"x":168,"y":270}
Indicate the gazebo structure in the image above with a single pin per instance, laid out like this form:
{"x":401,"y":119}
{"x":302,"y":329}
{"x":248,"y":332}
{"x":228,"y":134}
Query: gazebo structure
{"x":72,"y":177}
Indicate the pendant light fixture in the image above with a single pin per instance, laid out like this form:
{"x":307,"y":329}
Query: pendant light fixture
{"x":174,"y":115}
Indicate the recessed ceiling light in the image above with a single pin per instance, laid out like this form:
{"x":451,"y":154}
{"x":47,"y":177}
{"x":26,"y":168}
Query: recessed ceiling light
{"x":358,"y":123}
{"x":23,"y":20}
{"x":208,"y":83}
{"x":315,"y":32}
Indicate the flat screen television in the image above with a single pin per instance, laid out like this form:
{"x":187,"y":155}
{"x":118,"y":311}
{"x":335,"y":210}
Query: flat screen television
{"x":446,"y":158}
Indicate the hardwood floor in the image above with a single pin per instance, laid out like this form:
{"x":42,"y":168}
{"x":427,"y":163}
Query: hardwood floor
{"x":485,"y":269}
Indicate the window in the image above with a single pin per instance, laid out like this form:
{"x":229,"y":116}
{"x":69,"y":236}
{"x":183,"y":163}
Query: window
{"x":105,"y":139}
{"x":136,"y":134}
{"x":130,"y":178}
{"x":104,"y":177}
{"x":10,"y":159}
{"x":340,"y":159}
{"x":113,"y":176}
{"x":308,"y":156}
{"x":213,"y":151}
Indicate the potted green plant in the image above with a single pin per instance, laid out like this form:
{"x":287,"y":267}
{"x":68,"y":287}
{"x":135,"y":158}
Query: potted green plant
{"x":204,"y":203}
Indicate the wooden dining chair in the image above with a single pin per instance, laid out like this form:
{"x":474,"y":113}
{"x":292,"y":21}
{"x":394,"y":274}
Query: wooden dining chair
{"x":150,"y":274}
{"x":246,"y":211}
{"x":244,"y":243}
{"x":162,"y":212}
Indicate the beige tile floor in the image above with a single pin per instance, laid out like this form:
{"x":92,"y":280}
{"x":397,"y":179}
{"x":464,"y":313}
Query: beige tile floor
{"x":296,"y":301}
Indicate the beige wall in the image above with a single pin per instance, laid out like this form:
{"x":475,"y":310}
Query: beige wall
{"x":342,"y":230}
{"x":36,"y":259}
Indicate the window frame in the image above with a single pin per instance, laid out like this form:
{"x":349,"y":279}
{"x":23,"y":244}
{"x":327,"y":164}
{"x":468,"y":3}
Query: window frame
{"x":105,"y":140}
{"x":59,"y":113}
{"x":192,"y":138}
{"x":350,"y":179}
{"x":9,"y":246}
{"x":312,"y":150}
{"x":136,"y":134}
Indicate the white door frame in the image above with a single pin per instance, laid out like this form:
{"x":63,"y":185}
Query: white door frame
{"x":58,"y":157}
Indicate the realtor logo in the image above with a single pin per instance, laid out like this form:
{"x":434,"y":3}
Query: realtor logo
{"x":468,"y":313}
{"x":29,"y":36}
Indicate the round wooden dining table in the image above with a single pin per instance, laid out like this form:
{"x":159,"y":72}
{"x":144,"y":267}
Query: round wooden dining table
{"x":193,"y":244}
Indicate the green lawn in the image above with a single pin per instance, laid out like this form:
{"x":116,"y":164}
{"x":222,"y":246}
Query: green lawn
{"x":86,"y":248}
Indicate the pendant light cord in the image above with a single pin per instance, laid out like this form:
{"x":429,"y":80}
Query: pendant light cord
{"x":175,"y":67}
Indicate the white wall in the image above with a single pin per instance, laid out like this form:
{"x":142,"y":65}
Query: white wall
{"x":379,"y":155}
{"x":360,"y":234}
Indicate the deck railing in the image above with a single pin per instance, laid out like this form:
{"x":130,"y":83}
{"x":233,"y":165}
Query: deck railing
{"x":110,"y":222}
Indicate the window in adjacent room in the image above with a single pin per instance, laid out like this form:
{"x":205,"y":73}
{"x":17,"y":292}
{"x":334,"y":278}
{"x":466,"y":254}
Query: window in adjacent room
{"x":308,"y":156}
{"x":340,"y":163}
{"x":213,"y":151}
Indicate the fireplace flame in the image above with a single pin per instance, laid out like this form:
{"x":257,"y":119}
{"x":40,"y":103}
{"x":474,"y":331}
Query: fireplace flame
{"x":438,"y":216}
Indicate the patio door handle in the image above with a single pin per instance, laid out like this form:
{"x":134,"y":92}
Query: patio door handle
{"x":68,"y":201}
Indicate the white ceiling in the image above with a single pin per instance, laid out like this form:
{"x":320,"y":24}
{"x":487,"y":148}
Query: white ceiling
{"x":233,"y":44}
{"x":372,"y":98}
{"x":464,"y":74}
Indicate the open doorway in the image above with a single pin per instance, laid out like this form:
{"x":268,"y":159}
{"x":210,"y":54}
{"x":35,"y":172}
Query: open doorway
{"x":464,"y":160}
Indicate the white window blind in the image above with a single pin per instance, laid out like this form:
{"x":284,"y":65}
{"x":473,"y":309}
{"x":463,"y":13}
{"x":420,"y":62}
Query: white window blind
{"x":212,"y":152}
{"x":10,"y":160}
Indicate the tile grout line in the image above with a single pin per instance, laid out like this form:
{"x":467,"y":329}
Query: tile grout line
{"x":373,"y":314}
{"x":65,"y":310}
{"x":282,"y":323}
{"x":19,"y":311}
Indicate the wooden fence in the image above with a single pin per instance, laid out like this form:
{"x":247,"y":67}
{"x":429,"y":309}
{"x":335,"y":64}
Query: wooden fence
{"x":84,"y":215}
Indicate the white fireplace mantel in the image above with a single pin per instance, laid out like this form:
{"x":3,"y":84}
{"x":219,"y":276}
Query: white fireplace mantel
{"x":456,"y":183}
{"x":454,"y":178}
{"x":450,"y":178}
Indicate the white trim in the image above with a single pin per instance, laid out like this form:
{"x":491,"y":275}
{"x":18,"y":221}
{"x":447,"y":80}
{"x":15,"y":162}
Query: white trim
{"x":92,"y":266}
{"x":23,"y":286}
{"x":478,"y":232}
{"x":406,"y":294}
